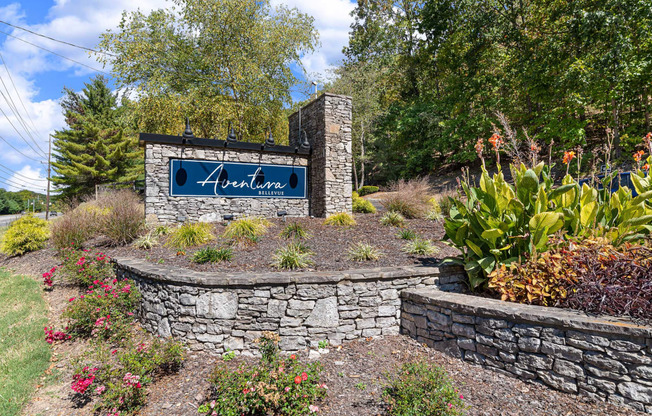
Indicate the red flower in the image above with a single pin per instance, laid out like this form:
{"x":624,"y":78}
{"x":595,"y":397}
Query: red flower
{"x":568,"y":156}
{"x":304,"y":376}
{"x":293,"y":357}
{"x":496,"y":141}
{"x":646,"y":167}
{"x":297,"y":379}
{"x":638,"y":155}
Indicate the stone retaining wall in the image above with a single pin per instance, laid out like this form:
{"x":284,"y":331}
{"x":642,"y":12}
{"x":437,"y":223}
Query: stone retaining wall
{"x":604,"y":358}
{"x":220,"y":311}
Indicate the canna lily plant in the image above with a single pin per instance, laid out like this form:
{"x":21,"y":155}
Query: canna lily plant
{"x":499,"y":223}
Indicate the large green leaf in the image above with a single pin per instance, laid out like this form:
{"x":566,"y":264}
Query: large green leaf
{"x":492,"y":235}
{"x":552,"y":221}
{"x":473,"y":246}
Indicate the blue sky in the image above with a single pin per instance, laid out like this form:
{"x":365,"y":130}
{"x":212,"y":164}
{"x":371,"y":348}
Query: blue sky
{"x":33,"y":87}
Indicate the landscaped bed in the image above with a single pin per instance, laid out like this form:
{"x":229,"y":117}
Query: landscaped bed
{"x":329,"y":244}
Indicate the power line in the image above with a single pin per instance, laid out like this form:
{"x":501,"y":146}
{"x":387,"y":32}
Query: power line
{"x":12,"y":125}
{"x":9,"y":181}
{"x":56,"y":40}
{"x":21,"y":177}
{"x":54,"y":53}
{"x":16,"y":89}
{"x":12,"y":146}
{"x":21,"y":120}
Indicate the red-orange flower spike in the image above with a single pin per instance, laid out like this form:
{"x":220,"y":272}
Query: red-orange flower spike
{"x":496,"y":141}
{"x":568,"y":156}
{"x":638,"y":155}
{"x":646,"y":167}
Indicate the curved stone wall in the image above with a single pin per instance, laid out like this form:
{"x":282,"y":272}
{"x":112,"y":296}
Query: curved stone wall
{"x":227,"y":311}
{"x":601,"y":357}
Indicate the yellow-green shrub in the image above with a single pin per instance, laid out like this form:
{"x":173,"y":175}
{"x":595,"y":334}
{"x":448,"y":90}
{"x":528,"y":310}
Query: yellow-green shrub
{"x":341,"y":219}
{"x":26,"y":234}
{"x":190,"y":234}
{"x":246,"y":230}
{"x":362,"y":205}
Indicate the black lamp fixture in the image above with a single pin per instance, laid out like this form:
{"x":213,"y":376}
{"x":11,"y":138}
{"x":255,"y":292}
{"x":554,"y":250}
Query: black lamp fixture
{"x":270,"y":139}
{"x":231,"y":138}
{"x":228,"y":217}
{"x":187,"y":134}
{"x":304,"y":144}
{"x":282,"y":214}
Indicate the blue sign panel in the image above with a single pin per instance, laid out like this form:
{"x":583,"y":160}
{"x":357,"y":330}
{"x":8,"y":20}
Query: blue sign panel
{"x":236,"y":180}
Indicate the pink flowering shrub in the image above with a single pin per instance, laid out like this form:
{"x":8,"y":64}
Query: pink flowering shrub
{"x":105,"y":310}
{"x":84,"y":266}
{"x":273,"y":386}
{"x":421,"y":388}
{"x":47,"y":277}
{"x":120,"y":379}
{"x":51,"y":336}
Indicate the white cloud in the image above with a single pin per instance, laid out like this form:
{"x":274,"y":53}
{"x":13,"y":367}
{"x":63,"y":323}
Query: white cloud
{"x":31,"y":179}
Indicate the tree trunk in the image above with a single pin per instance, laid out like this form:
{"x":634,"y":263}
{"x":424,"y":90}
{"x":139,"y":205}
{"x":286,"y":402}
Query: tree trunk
{"x":616,"y":128}
{"x":355,"y":175}
{"x":362,"y":157}
{"x":646,"y":105}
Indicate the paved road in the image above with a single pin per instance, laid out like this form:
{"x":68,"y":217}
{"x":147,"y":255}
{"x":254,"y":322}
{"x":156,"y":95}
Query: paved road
{"x":5,"y":220}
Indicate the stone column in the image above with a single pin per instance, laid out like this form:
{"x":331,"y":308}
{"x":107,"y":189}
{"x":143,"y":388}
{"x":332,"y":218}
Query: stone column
{"x":327,"y":124}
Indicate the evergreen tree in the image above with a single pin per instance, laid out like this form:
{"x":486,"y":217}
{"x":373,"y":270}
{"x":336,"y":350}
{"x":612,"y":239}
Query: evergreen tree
{"x":96,"y":147}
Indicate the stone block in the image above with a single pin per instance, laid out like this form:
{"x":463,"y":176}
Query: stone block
{"x":561,"y":351}
{"x":276,"y":308}
{"x":568,"y":368}
{"x":559,"y":382}
{"x":467,"y":331}
{"x":217,"y":305}
{"x":602,"y":384}
{"x":636,"y":392}
{"x":604,"y":363}
{"x":529,"y":344}
{"x":466,"y":344}
{"x":534,"y":361}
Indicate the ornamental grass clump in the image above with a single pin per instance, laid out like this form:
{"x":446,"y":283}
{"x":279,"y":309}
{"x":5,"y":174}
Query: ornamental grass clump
{"x":26,"y":234}
{"x":341,"y":219}
{"x":190,"y":234}
{"x":124,"y":217}
{"x":293,"y":256}
{"x":393,"y":219}
{"x":294,"y":230}
{"x":421,"y":388}
{"x":147,"y":241}
{"x":406,"y":234}
{"x":364,"y":252}
{"x":212,"y":255}
{"x":246,"y":231}
{"x":409,"y":198}
{"x":361,"y":205}
{"x":420,"y":247}
{"x":273,"y":386}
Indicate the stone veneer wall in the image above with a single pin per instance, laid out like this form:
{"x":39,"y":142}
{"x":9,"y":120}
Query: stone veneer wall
{"x":327,"y":122}
{"x":220,"y":311}
{"x":161,"y":207}
{"x":604,"y":358}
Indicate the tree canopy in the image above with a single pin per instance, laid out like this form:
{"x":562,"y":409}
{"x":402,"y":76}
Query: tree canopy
{"x":98,"y":146}
{"x":565,"y":70}
{"x":216,"y":62}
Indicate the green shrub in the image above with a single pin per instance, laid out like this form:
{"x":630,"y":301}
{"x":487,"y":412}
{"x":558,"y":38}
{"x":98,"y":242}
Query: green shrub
{"x":274,"y":386}
{"x":212,"y":255}
{"x":190,"y":234}
{"x":499,"y":223}
{"x":366,"y":190}
{"x":161,"y":230}
{"x":83,"y":267}
{"x":406,"y":234}
{"x":341,"y":219}
{"x":146,"y":241}
{"x":393,"y":218}
{"x":293,"y":256}
{"x":364,"y":252}
{"x":105,"y":311}
{"x":422,"y":388}
{"x":294,"y":230}
{"x":26,"y":234}
{"x":124,"y":218}
{"x":363,"y":206}
{"x":246,"y":230}
{"x":420,"y":247}
{"x":409,"y":198}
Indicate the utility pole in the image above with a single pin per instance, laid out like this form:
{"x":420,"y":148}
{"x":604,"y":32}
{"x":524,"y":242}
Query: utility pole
{"x":47,"y":195}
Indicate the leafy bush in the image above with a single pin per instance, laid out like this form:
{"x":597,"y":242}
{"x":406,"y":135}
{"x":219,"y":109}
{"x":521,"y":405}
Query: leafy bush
{"x":190,"y":234}
{"x":161,"y":230}
{"x":246,"y":230}
{"x":341,"y":219}
{"x":366,"y":190}
{"x":83,"y":266}
{"x":275,"y":386}
{"x":425,"y":389}
{"x":294,"y":230}
{"x":119,"y":380}
{"x":147,"y":241}
{"x":409,"y":198}
{"x":212,"y":255}
{"x":406,"y":234}
{"x":293,"y":256}
{"x":124,"y":217}
{"x":420,"y":247}
{"x":592,"y":276}
{"x":26,"y":234}
{"x":105,"y":311}
{"x":393,"y":218}
{"x":362,"y":205}
{"x":499,"y":222}
{"x":364,"y":252}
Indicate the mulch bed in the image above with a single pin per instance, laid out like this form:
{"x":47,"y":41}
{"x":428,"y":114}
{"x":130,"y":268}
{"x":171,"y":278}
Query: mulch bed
{"x":347,"y":370}
{"x":330,"y":245}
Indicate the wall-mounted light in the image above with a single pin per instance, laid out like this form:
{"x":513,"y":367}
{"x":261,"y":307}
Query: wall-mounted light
{"x":282,"y":214}
{"x":228,"y":217}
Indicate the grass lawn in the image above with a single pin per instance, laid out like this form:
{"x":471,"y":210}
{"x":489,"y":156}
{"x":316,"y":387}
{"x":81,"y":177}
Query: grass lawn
{"x":24,"y":354}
